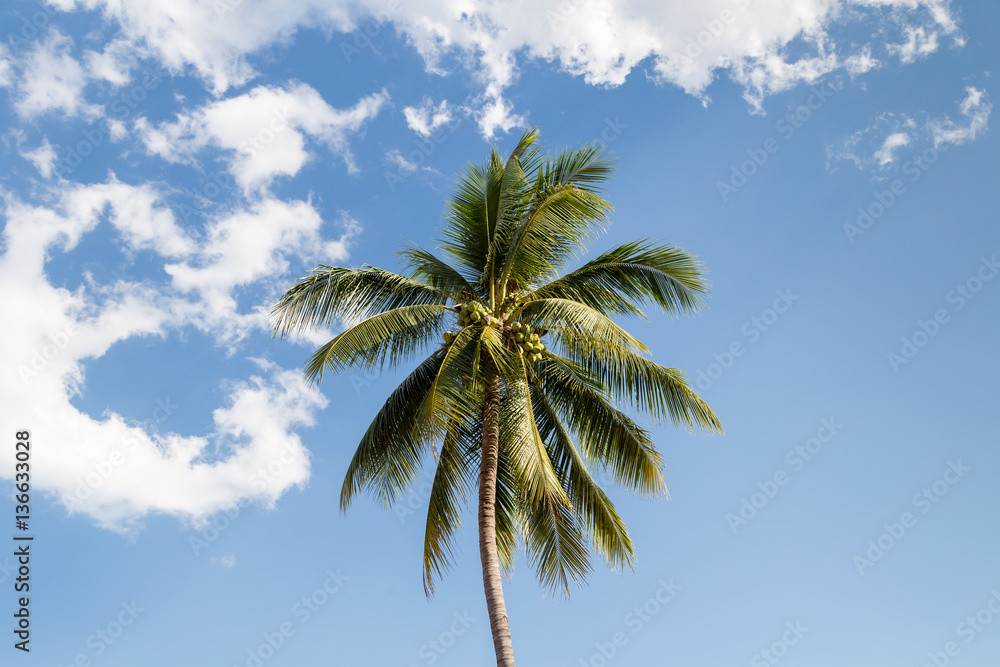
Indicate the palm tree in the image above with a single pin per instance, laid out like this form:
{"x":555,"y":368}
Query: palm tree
{"x":534,"y":421}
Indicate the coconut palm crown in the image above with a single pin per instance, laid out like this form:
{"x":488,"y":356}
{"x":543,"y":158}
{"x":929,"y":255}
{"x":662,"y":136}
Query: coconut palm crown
{"x":526,"y":388}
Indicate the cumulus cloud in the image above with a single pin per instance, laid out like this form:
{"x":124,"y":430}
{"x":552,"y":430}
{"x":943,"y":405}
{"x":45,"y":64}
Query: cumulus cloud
{"x":245,"y":247}
{"x":766,"y":46}
{"x":52,"y":80}
{"x":112,"y":467}
{"x":111,"y":65}
{"x":43,"y":157}
{"x":426,"y":118}
{"x":263,"y":131}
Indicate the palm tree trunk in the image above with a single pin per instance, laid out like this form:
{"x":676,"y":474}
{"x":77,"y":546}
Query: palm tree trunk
{"x":487,"y":526}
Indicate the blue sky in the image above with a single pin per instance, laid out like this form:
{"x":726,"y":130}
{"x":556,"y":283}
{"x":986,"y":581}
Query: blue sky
{"x":171,"y":167}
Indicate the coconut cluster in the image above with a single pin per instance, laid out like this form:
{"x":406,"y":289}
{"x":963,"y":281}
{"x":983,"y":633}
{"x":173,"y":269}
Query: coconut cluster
{"x":474,"y":312}
{"x":530,"y":341}
{"x":469,"y":314}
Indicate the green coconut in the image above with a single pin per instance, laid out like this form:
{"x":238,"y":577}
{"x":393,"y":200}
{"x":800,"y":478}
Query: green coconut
{"x":516,"y":327}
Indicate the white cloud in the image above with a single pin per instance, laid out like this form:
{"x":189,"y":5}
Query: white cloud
{"x":426,"y":118}
{"x":498,"y":114}
{"x":246,"y":247}
{"x":43,"y":157}
{"x":111,"y":64}
{"x":116,"y":129}
{"x":52,"y":80}
{"x":225,"y":561}
{"x":861,"y":62}
{"x":396,"y":158}
{"x":976,"y":108}
{"x":6,"y":71}
{"x":215,"y":38}
{"x":920,"y":43}
{"x":263,"y":131}
{"x":876,"y":147}
{"x":885,"y":154}
{"x":687,"y":43}
{"x":112,"y":467}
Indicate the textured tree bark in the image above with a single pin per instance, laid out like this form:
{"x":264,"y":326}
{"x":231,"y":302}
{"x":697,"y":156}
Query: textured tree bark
{"x":487,"y":526}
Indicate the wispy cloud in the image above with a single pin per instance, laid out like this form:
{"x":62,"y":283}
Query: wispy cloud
{"x":878,"y":146}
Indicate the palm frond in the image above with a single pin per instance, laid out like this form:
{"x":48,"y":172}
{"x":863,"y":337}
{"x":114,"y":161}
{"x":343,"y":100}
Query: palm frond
{"x":560,"y":221}
{"x":388,"y":337}
{"x":449,"y":490}
{"x":606,"y":528}
{"x":424,"y":265}
{"x":555,"y":544}
{"x":390,"y":451}
{"x":654,"y":390}
{"x":607,"y":436}
{"x":633,"y":274}
{"x":575,"y":321}
{"x":331,"y":292}
{"x":520,"y":439}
